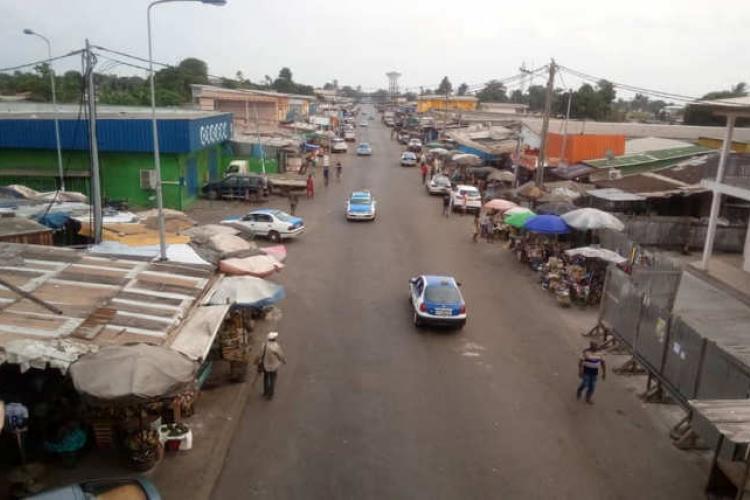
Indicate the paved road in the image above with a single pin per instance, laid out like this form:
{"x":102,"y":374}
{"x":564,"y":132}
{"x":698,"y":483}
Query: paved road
{"x":368,"y":407}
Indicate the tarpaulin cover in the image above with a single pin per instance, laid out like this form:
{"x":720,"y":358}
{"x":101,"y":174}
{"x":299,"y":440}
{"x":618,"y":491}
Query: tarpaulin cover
{"x":132,"y":373}
{"x":597,"y":253}
{"x":54,"y":220}
{"x":256,"y":265}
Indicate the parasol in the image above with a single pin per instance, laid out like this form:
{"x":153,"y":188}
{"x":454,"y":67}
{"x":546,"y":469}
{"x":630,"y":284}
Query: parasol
{"x":499,"y":205}
{"x":467,"y":159}
{"x":518,"y":210}
{"x":592,"y":218}
{"x":556,"y":208}
{"x":501,"y":176}
{"x":132,"y":373}
{"x":246,"y":291}
{"x":518,"y":219}
{"x":597,"y":253}
{"x":256,"y":265}
{"x":439,"y":151}
{"x":546,"y":224}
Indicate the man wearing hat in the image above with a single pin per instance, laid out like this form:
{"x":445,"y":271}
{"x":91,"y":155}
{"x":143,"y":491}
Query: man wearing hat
{"x":271,"y":358}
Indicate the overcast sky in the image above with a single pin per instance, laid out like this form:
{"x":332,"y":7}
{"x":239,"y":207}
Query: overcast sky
{"x":689,"y":47}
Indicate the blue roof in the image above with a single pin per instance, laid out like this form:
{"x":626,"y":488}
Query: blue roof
{"x":437,"y":280}
{"x":133,"y":135}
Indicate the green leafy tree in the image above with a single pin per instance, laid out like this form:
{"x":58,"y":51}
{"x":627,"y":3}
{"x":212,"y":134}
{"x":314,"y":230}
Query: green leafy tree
{"x":493,"y":91}
{"x":699,"y":115}
{"x":462,"y":89}
{"x":445,"y":86}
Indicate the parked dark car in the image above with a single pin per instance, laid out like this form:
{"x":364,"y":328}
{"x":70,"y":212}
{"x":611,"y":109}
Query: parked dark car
{"x":236,"y":187}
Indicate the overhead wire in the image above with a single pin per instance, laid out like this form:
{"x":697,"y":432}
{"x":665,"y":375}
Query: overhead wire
{"x":42,"y":61}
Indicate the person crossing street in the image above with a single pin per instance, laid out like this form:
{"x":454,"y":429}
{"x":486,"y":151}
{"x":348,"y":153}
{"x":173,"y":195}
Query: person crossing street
{"x":338,"y":171}
{"x":588,"y":370}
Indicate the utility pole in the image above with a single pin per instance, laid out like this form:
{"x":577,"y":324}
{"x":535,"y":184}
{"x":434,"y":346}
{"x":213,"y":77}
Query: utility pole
{"x":96,"y":188}
{"x":545,"y":123}
{"x":563,"y":150}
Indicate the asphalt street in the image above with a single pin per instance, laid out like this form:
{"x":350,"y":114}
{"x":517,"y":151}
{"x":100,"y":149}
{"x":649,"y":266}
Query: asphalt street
{"x":370,"y":407}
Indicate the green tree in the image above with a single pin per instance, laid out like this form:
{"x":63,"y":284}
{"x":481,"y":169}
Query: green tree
{"x":445,"y":86}
{"x":493,"y":91}
{"x":462,"y":89}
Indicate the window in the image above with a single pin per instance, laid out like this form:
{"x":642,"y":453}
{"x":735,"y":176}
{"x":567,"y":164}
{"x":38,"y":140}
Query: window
{"x":442,"y":294}
{"x":263,"y":218}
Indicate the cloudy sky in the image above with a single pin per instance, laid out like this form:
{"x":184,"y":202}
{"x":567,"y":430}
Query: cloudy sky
{"x":689,"y":47}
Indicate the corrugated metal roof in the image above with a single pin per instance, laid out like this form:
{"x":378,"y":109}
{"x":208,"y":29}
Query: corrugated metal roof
{"x":611,"y":194}
{"x":103,"y":300}
{"x":647,"y":157}
{"x":176,"y":135}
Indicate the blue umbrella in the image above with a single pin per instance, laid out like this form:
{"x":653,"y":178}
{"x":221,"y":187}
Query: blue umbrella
{"x":546,"y":224}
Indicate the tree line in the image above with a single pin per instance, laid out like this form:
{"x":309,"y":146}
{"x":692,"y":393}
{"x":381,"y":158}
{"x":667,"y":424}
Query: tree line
{"x":172,"y":84}
{"x":594,"y":102}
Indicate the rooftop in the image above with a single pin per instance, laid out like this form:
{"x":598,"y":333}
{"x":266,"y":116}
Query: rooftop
{"x":35,"y":110}
{"x":450,"y":97}
{"x":92,"y":301}
{"x":248,"y":92}
{"x":639,"y":161}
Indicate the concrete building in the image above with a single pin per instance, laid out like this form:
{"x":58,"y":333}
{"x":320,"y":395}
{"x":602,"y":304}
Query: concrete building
{"x":252,"y":106}
{"x":723,"y":185}
{"x":192,"y":144}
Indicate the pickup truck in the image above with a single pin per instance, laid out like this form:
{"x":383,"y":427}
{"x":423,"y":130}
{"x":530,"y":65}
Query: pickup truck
{"x":236,"y":187}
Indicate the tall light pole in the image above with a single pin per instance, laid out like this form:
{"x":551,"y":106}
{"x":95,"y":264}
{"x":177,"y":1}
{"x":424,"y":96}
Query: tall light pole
{"x":155,"y":132}
{"x":60,"y":172}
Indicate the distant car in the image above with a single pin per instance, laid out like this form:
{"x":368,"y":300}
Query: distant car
{"x":403,"y":138}
{"x":350,"y":136}
{"x":338,"y":145}
{"x":364,"y":149}
{"x":466,"y":196}
{"x":439,"y":184}
{"x":415,"y":145}
{"x":363,"y":123}
{"x":274,"y":224}
{"x":360,"y":206}
{"x":236,"y":187}
{"x":138,"y":488}
{"x":437,"y":300}
{"x":408,"y":159}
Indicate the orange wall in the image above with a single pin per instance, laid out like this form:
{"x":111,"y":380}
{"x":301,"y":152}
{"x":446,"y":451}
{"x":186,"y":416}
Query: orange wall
{"x":584,"y":147}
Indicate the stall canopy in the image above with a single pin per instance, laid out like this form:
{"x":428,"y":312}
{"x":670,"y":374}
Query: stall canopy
{"x":556,"y":208}
{"x":467,"y":159}
{"x":132,"y":373}
{"x":518,"y":219}
{"x":245,"y":291}
{"x":592,"y":218}
{"x":499,"y":204}
{"x":546,"y":224}
{"x":597,"y":253}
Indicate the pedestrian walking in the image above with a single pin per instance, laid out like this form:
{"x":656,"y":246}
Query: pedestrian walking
{"x":450,"y":204}
{"x":477,"y":228}
{"x":293,"y":199}
{"x":423,"y":169}
{"x":325,"y":174}
{"x":310,"y":186}
{"x":270,"y":360}
{"x":446,"y":204}
{"x":588,"y":370}
{"x":338,"y":171}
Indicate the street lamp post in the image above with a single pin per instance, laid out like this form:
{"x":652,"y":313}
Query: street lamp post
{"x":155,"y":132}
{"x":60,"y":172}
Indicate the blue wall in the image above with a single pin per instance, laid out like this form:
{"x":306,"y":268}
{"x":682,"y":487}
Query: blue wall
{"x":179,"y":135}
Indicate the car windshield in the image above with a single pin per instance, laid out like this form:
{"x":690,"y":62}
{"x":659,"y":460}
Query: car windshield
{"x":442,"y":294}
{"x":471,"y":193}
{"x":359,"y":200}
{"x":441,"y":181}
{"x":281,"y":215}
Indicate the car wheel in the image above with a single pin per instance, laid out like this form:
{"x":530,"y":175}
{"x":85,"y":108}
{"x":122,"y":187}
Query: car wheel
{"x":274,"y":236}
{"x":417,"y":320}
{"x":213,"y":195}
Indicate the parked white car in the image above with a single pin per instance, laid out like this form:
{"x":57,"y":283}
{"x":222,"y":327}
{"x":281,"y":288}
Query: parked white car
{"x":466,"y":198}
{"x":274,"y":224}
{"x":339,"y":146}
{"x":408,"y":159}
{"x":350,"y":136}
{"x":439,"y":184}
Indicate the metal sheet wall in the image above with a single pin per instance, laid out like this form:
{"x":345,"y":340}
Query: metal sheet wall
{"x":653,"y":332}
{"x":621,"y":304}
{"x":722,"y":376}
{"x":683,"y":357}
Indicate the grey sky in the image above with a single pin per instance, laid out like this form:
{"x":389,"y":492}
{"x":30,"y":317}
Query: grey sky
{"x":689,"y":47}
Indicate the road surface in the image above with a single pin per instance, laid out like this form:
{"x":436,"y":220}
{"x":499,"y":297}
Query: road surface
{"x":369,"y":407}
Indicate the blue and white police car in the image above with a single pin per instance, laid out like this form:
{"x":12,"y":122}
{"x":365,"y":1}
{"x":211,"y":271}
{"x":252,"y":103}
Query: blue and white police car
{"x":437,"y":300}
{"x":360,"y":206}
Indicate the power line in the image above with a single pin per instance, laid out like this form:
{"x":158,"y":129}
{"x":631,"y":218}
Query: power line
{"x":43,"y":61}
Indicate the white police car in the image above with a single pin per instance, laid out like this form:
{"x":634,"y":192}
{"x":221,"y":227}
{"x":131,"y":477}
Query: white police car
{"x":437,"y":300}
{"x":360,"y":206}
{"x":274,"y":224}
